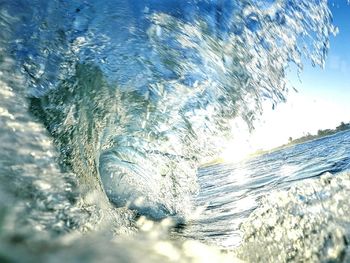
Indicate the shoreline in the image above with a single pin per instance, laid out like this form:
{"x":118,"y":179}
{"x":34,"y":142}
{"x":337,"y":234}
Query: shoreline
{"x":301,"y":140}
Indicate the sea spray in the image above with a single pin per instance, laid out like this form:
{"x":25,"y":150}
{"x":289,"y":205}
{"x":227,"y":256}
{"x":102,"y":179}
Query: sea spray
{"x":134,"y":95}
{"x":142,"y":105}
{"x":309,"y":222}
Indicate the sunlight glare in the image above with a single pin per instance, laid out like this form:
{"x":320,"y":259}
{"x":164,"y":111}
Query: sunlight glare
{"x":239,"y":147}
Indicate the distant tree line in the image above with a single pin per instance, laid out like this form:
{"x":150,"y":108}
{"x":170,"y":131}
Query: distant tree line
{"x":320,"y":133}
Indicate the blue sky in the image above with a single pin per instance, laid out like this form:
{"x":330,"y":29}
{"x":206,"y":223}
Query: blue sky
{"x":332,"y":82}
{"x":323,"y":97}
{"x":322,"y":100}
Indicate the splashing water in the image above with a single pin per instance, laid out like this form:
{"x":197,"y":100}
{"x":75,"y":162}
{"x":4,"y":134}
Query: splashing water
{"x":135,"y":94}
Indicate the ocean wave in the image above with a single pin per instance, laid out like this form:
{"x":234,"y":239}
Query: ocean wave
{"x":309,"y":222}
{"x":108,"y":108}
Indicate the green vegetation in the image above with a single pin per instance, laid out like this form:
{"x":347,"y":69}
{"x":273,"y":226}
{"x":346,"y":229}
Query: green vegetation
{"x":308,"y":137}
{"x":320,"y":133}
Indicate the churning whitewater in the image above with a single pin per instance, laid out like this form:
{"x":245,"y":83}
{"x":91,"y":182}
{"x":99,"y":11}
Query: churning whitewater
{"x":107,"y":108}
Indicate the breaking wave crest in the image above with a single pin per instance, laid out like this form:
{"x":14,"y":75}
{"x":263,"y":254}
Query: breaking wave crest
{"x":136,"y":94}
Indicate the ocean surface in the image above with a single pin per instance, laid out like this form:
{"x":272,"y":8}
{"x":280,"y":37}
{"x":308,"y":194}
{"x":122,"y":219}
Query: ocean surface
{"x":108,"y":108}
{"x":230,"y":192}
